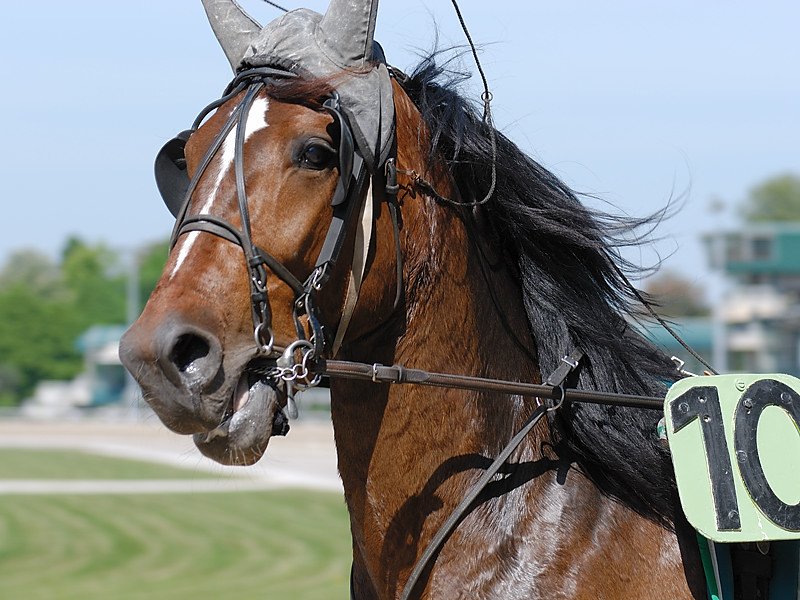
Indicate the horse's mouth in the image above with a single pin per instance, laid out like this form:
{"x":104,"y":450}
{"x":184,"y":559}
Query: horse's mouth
{"x":255,"y":414}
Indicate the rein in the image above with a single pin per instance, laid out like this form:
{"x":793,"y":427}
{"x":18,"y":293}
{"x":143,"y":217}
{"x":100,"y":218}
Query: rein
{"x":397,"y":374}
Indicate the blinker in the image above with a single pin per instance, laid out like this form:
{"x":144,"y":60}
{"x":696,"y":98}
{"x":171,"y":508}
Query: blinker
{"x":346,"y":149}
{"x":172,"y":177}
{"x":173,"y":180}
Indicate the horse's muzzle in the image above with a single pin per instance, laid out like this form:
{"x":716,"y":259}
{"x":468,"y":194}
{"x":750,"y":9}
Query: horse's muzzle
{"x":194,"y":388}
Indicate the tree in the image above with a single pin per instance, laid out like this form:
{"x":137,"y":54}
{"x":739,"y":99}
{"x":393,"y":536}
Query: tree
{"x":37,"y":341}
{"x":34,"y":270}
{"x":10,"y":381}
{"x":151,"y":264}
{"x":676,"y":296}
{"x":94,"y":277}
{"x":45,"y":307}
{"x":776,"y":199}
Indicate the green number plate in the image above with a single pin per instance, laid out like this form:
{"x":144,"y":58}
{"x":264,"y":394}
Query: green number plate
{"x":735,"y":443}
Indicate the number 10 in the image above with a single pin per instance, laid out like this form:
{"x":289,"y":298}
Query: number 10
{"x":702,"y":403}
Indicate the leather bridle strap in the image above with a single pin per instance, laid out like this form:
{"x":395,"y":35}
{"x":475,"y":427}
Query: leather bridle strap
{"x":463,"y":507}
{"x":397,"y":374}
{"x":222,"y":228}
{"x":360,"y":251}
{"x":556,"y":380}
{"x":352,"y":175}
{"x":331,"y":248}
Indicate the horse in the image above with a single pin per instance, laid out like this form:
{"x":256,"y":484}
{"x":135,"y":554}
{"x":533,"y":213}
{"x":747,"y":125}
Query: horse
{"x":466,"y":257}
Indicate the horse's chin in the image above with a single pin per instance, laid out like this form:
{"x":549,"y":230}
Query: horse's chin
{"x":255,"y":416}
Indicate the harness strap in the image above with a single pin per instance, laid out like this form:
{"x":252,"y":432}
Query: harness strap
{"x":209,"y":156}
{"x":458,"y":514}
{"x":222,"y":228}
{"x":401,"y":375}
{"x":342,"y":212}
{"x":394,"y":212}
{"x":565,"y":367}
{"x":329,"y":254}
{"x":557,"y":379}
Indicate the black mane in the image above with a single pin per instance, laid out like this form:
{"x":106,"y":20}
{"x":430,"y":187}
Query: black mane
{"x":575,"y":294}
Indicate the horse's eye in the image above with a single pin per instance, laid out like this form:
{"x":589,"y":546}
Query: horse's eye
{"x":316,"y":155}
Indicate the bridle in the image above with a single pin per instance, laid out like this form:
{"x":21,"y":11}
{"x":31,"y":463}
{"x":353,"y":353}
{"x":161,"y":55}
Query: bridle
{"x":177,"y":189}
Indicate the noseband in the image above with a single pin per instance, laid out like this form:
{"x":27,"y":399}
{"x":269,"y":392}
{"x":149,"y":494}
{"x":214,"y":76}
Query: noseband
{"x":177,"y":189}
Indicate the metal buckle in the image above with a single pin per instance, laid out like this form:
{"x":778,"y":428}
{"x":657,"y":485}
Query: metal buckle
{"x":258,"y":336}
{"x":558,"y":404}
{"x":571,"y":362}
{"x":297,"y":372}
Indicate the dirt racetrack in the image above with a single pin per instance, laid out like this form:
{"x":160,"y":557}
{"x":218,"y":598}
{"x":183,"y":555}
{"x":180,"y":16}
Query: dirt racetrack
{"x":305,"y":458}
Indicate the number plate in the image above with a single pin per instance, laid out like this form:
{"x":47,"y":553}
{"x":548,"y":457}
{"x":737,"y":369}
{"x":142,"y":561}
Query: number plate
{"x":735,"y":443}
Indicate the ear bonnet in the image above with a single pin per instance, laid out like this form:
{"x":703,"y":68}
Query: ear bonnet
{"x":339,"y":44}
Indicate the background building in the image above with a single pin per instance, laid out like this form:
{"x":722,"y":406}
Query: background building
{"x":758,"y":317}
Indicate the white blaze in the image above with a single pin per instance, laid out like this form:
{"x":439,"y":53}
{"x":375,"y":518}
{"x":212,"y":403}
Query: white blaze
{"x":256,"y":120}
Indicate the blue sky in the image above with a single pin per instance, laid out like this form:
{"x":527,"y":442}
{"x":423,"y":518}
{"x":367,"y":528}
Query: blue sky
{"x":635,"y":102}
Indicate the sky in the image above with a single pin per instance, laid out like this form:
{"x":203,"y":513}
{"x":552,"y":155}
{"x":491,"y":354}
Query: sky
{"x":635,"y":103}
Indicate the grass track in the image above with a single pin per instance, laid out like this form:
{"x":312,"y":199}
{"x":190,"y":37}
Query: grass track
{"x":276,"y":544}
{"x":281,"y":544}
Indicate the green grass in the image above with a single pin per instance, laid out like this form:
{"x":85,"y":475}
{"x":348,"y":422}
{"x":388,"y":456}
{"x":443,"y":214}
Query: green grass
{"x":243,"y":545}
{"x":286,"y":544}
{"x":71,"y":464}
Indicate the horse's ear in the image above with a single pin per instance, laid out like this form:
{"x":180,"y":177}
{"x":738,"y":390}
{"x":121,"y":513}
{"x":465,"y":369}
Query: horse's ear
{"x":234,"y":28}
{"x":348,"y":28}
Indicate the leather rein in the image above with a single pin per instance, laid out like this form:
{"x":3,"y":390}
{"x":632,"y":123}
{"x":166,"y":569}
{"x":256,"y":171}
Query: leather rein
{"x":397,"y":374}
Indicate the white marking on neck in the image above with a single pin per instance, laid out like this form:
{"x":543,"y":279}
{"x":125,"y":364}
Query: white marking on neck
{"x":256,"y":120}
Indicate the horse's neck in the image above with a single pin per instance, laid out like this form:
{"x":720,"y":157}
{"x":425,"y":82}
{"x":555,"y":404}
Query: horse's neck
{"x":407,"y":453}
{"x":463,"y":315}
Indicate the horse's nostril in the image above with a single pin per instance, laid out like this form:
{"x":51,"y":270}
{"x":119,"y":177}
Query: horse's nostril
{"x":188,"y":353}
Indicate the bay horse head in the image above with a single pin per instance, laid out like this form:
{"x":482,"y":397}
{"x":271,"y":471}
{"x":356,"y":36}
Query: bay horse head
{"x":265,"y":192}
